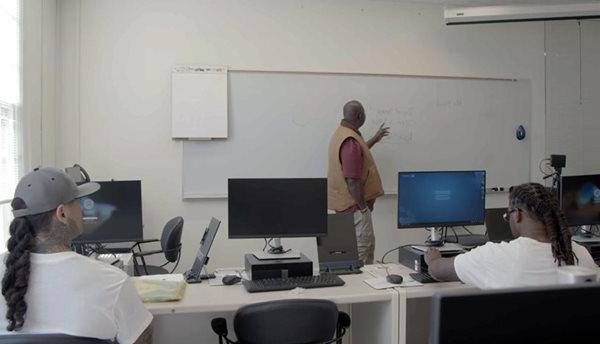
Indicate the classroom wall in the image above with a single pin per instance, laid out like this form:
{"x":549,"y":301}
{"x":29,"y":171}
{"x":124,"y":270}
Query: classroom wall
{"x":573,"y":94}
{"x":113,"y":83}
{"x":38,"y":85}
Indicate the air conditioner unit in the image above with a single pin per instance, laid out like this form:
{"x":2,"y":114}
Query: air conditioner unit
{"x":517,"y":13}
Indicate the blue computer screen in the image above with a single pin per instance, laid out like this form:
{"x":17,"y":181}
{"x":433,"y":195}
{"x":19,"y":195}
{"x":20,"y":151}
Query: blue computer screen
{"x":441,"y":198}
{"x":580,"y":199}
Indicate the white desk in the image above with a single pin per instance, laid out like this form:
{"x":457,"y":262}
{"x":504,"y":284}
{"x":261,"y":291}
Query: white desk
{"x":374,"y":313}
{"x":397,"y":315}
{"x":414,"y":303}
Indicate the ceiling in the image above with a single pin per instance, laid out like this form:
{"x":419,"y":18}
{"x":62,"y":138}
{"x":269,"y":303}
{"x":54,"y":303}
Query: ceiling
{"x":501,"y":2}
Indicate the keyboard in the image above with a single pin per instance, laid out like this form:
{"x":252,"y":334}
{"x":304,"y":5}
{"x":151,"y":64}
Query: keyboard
{"x":274,"y":284}
{"x":423,"y":277}
{"x":342,"y":271}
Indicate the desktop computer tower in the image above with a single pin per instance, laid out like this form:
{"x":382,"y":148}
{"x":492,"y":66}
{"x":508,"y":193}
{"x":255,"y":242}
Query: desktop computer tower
{"x":415,"y":259}
{"x":277,"y":268}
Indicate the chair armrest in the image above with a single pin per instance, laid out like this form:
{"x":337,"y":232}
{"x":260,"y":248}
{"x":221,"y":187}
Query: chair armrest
{"x":219,"y":326}
{"x":138,"y":244}
{"x":146,"y":241}
{"x":344,"y":320}
{"x":342,"y":325}
{"x":146,"y":253}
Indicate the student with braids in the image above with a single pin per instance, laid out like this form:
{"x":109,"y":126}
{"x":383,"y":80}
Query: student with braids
{"x":47,"y":288}
{"x":543,"y":242}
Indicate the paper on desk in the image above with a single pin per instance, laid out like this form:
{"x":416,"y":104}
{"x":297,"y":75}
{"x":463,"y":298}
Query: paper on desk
{"x":165,"y":277}
{"x":160,"y":288}
{"x":382,"y":283}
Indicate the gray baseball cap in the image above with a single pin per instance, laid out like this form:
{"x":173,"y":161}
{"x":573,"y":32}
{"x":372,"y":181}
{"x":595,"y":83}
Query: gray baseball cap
{"x":46,"y":188}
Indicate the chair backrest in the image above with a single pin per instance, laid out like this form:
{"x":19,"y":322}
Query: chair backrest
{"x":49,"y":339}
{"x":556,"y":314}
{"x":297,"y":321}
{"x":170,"y":241}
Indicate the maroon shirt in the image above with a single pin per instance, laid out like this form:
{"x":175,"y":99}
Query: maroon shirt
{"x":352,"y":164}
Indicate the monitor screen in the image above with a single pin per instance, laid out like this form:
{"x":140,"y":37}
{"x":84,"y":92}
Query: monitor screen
{"x":506,"y":315}
{"x":275,"y":208}
{"x":113,"y":213}
{"x":497,"y":228}
{"x":580,"y":199}
{"x":429,"y":199}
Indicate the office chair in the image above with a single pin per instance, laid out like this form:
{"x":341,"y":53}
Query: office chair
{"x":50,"y":339}
{"x":170,"y":243}
{"x":299,"y":321}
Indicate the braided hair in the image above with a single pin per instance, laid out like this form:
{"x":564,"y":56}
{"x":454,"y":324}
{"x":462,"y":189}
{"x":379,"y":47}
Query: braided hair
{"x":543,"y":206}
{"x":16,"y":277}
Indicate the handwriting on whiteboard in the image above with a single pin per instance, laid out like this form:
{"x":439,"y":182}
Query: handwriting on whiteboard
{"x":401,"y":121}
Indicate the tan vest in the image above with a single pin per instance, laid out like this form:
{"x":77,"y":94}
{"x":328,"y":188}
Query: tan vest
{"x":338,"y":196}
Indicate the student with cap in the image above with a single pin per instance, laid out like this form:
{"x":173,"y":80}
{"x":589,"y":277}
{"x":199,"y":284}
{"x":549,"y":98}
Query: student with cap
{"x":49,"y":289}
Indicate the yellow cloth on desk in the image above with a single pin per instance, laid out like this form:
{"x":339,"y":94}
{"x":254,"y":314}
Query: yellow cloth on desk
{"x":159,"y":288}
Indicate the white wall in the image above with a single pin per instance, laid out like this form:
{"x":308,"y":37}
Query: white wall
{"x":113,"y":89}
{"x":39,"y":71}
{"x":573,"y":94}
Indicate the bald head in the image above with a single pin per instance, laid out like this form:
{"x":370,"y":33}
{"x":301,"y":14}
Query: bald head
{"x":354,"y":113}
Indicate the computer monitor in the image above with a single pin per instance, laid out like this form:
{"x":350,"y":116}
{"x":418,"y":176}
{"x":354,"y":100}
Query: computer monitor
{"x":580,"y":199}
{"x":193,"y":274}
{"x":441,"y":199}
{"x":551,"y":314}
{"x":113,"y":213}
{"x":497,"y":228}
{"x":277,"y":208}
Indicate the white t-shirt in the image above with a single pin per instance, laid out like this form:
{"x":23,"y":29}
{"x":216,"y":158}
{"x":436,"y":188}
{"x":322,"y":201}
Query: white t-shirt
{"x":519,"y":263}
{"x":79,"y":296}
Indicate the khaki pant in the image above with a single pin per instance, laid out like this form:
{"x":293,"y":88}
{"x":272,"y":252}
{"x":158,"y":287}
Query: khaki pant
{"x":365,"y":236}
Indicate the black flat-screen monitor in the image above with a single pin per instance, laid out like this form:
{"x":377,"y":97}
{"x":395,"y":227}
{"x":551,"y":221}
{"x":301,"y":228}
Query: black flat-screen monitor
{"x":432,"y":199}
{"x":580,"y":199}
{"x":497,"y":228}
{"x":277,"y":208}
{"x":113,"y":213}
{"x":549,"y":314}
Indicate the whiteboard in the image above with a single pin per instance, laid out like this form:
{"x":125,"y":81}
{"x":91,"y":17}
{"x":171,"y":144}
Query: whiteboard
{"x":199,"y":102}
{"x":281,"y":123}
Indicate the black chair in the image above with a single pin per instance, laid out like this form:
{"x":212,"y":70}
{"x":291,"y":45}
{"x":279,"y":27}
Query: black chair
{"x":170,"y":243}
{"x":49,"y":339}
{"x":299,"y":321}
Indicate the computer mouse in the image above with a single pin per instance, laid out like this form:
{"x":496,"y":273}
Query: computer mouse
{"x":394,"y":279}
{"x":231,"y":279}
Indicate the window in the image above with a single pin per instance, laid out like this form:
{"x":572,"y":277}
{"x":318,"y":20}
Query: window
{"x":11,"y":157}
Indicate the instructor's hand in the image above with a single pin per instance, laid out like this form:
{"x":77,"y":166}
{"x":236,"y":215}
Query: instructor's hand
{"x":381,"y":133}
{"x":431,"y":255}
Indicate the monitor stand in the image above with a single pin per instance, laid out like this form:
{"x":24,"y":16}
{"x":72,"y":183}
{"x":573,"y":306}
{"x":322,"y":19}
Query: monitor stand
{"x":277,"y":252}
{"x":263,"y":255}
{"x":435,"y":237}
{"x":436,"y":240}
